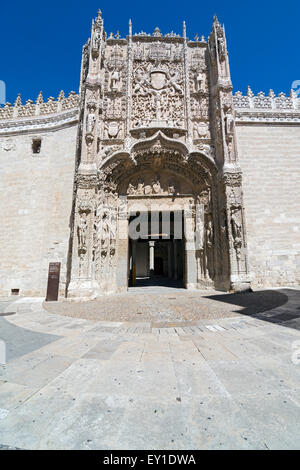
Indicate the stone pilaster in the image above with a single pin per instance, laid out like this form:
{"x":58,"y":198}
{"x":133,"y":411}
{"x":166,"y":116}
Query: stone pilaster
{"x":237,"y":242}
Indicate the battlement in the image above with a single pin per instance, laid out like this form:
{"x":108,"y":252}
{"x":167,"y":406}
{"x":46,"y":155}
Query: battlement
{"x":262,"y":101}
{"x":39,"y":108}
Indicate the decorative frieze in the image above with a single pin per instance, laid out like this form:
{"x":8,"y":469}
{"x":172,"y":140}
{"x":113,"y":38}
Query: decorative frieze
{"x":266,"y":108}
{"x":39,"y":123}
{"x":31,"y":109}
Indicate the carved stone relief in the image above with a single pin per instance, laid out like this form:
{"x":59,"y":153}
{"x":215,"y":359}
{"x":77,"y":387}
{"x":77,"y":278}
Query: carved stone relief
{"x":152,"y":187}
{"x":105,"y":233}
{"x":205,"y":239}
{"x":200,"y":130}
{"x":113,"y":130}
{"x":157,"y":94}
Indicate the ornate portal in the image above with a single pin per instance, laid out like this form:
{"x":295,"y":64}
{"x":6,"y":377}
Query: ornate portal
{"x":157,"y":135}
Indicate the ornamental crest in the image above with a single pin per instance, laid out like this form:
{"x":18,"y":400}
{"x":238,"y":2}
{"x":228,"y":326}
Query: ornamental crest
{"x":158,"y":79}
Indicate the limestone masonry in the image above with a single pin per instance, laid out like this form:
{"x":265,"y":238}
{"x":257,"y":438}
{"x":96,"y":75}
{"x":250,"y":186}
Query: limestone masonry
{"x":155,"y":133}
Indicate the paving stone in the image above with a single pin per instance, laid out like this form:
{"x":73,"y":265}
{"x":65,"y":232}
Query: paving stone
{"x":136,"y":385}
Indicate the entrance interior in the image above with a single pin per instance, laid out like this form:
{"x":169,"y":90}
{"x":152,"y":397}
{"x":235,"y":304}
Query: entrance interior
{"x":156,"y":255}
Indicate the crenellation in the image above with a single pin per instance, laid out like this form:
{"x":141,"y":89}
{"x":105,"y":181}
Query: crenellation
{"x":30,"y":109}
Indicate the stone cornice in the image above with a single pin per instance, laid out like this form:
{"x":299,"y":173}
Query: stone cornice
{"x":39,"y":123}
{"x":267,"y":116}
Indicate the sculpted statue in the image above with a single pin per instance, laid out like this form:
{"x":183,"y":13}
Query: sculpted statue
{"x":91,"y":120}
{"x":131,"y":189}
{"x":96,"y":40}
{"x":198,"y":81}
{"x":156,"y":187}
{"x":114,"y":80}
{"x":236,"y":228}
{"x":209,"y":231}
{"x":82,"y":230}
{"x":221,"y":46}
{"x":229,"y":124}
{"x":140,"y":187}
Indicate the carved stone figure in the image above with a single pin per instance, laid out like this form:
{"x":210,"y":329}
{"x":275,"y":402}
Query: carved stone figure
{"x":96,"y":41}
{"x":114,"y":80}
{"x":82,"y":230}
{"x":200,"y":130}
{"x":221,"y":47}
{"x":236,"y":228}
{"x":91,"y":119}
{"x":198,"y":81}
{"x":156,"y":187}
{"x":112,"y":130}
{"x":229,"y":125}
{"x":167,"y":103}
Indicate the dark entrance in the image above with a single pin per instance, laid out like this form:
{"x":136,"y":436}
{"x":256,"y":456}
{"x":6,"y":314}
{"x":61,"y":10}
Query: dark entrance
{"x":156,"y":257}
{"x":158,"y":266}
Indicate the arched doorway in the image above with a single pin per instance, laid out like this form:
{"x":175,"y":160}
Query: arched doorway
{"x":156,"y":176}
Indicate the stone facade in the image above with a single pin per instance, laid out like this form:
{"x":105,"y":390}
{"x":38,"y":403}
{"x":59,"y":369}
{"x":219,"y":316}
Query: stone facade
{"x":36,"y":195}
{"x":155,"y":126}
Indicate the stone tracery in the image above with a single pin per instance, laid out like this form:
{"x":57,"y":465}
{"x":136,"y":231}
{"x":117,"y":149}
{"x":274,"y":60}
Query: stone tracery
{"x":153,"y":96}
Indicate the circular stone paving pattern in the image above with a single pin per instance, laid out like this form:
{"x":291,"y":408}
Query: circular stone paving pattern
{"x":177,"y":305}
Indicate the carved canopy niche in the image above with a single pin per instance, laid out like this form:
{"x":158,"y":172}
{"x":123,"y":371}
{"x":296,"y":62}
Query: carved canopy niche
{"x":158,"y":165}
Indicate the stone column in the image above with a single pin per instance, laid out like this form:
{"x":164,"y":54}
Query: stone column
{"x":123,"y":249}
{"x":238,"y":260}
{"x":82,"y":284}
{"x":190,"y":252}
{"x":151,"y":257}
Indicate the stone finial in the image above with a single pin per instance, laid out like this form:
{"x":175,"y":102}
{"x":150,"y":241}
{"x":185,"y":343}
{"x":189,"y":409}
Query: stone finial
{"x":216,"y":22}
{"x":98,"y":20}
{"x":40,"y":98}
{"x":196,"y":38}
{"x":184,"y":29}
{"x":157,"y":32}
{"x":18,"y":101}
{"x":293,"y":94}
{"x":117,"y":36}
{"x":271,"y":94}
{"x":130,"y":28}
{"x":249,"y":92}
{"x":61,"y":95}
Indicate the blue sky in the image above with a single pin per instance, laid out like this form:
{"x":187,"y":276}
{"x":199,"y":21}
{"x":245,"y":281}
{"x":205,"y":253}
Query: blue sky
{"x":41,"y":45}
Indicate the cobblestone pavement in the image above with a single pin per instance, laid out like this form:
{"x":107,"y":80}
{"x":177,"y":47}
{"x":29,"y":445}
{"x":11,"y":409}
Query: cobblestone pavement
{"x":206,"y":383}
{"x":161,"y":304}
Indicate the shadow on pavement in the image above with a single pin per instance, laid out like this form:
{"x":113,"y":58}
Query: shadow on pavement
{"x":158,"y":281}
{"x":267,"y":305}
{"x":20,"y":341}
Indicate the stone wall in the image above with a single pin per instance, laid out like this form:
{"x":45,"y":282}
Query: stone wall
{"x":270,"y":160}
{"x":35,"y":204}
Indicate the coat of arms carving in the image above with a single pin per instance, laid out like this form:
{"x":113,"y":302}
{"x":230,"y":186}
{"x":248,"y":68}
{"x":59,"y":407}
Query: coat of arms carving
{"x":158,"y":79}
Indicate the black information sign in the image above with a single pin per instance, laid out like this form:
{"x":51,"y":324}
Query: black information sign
{"x":53,"y":281}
